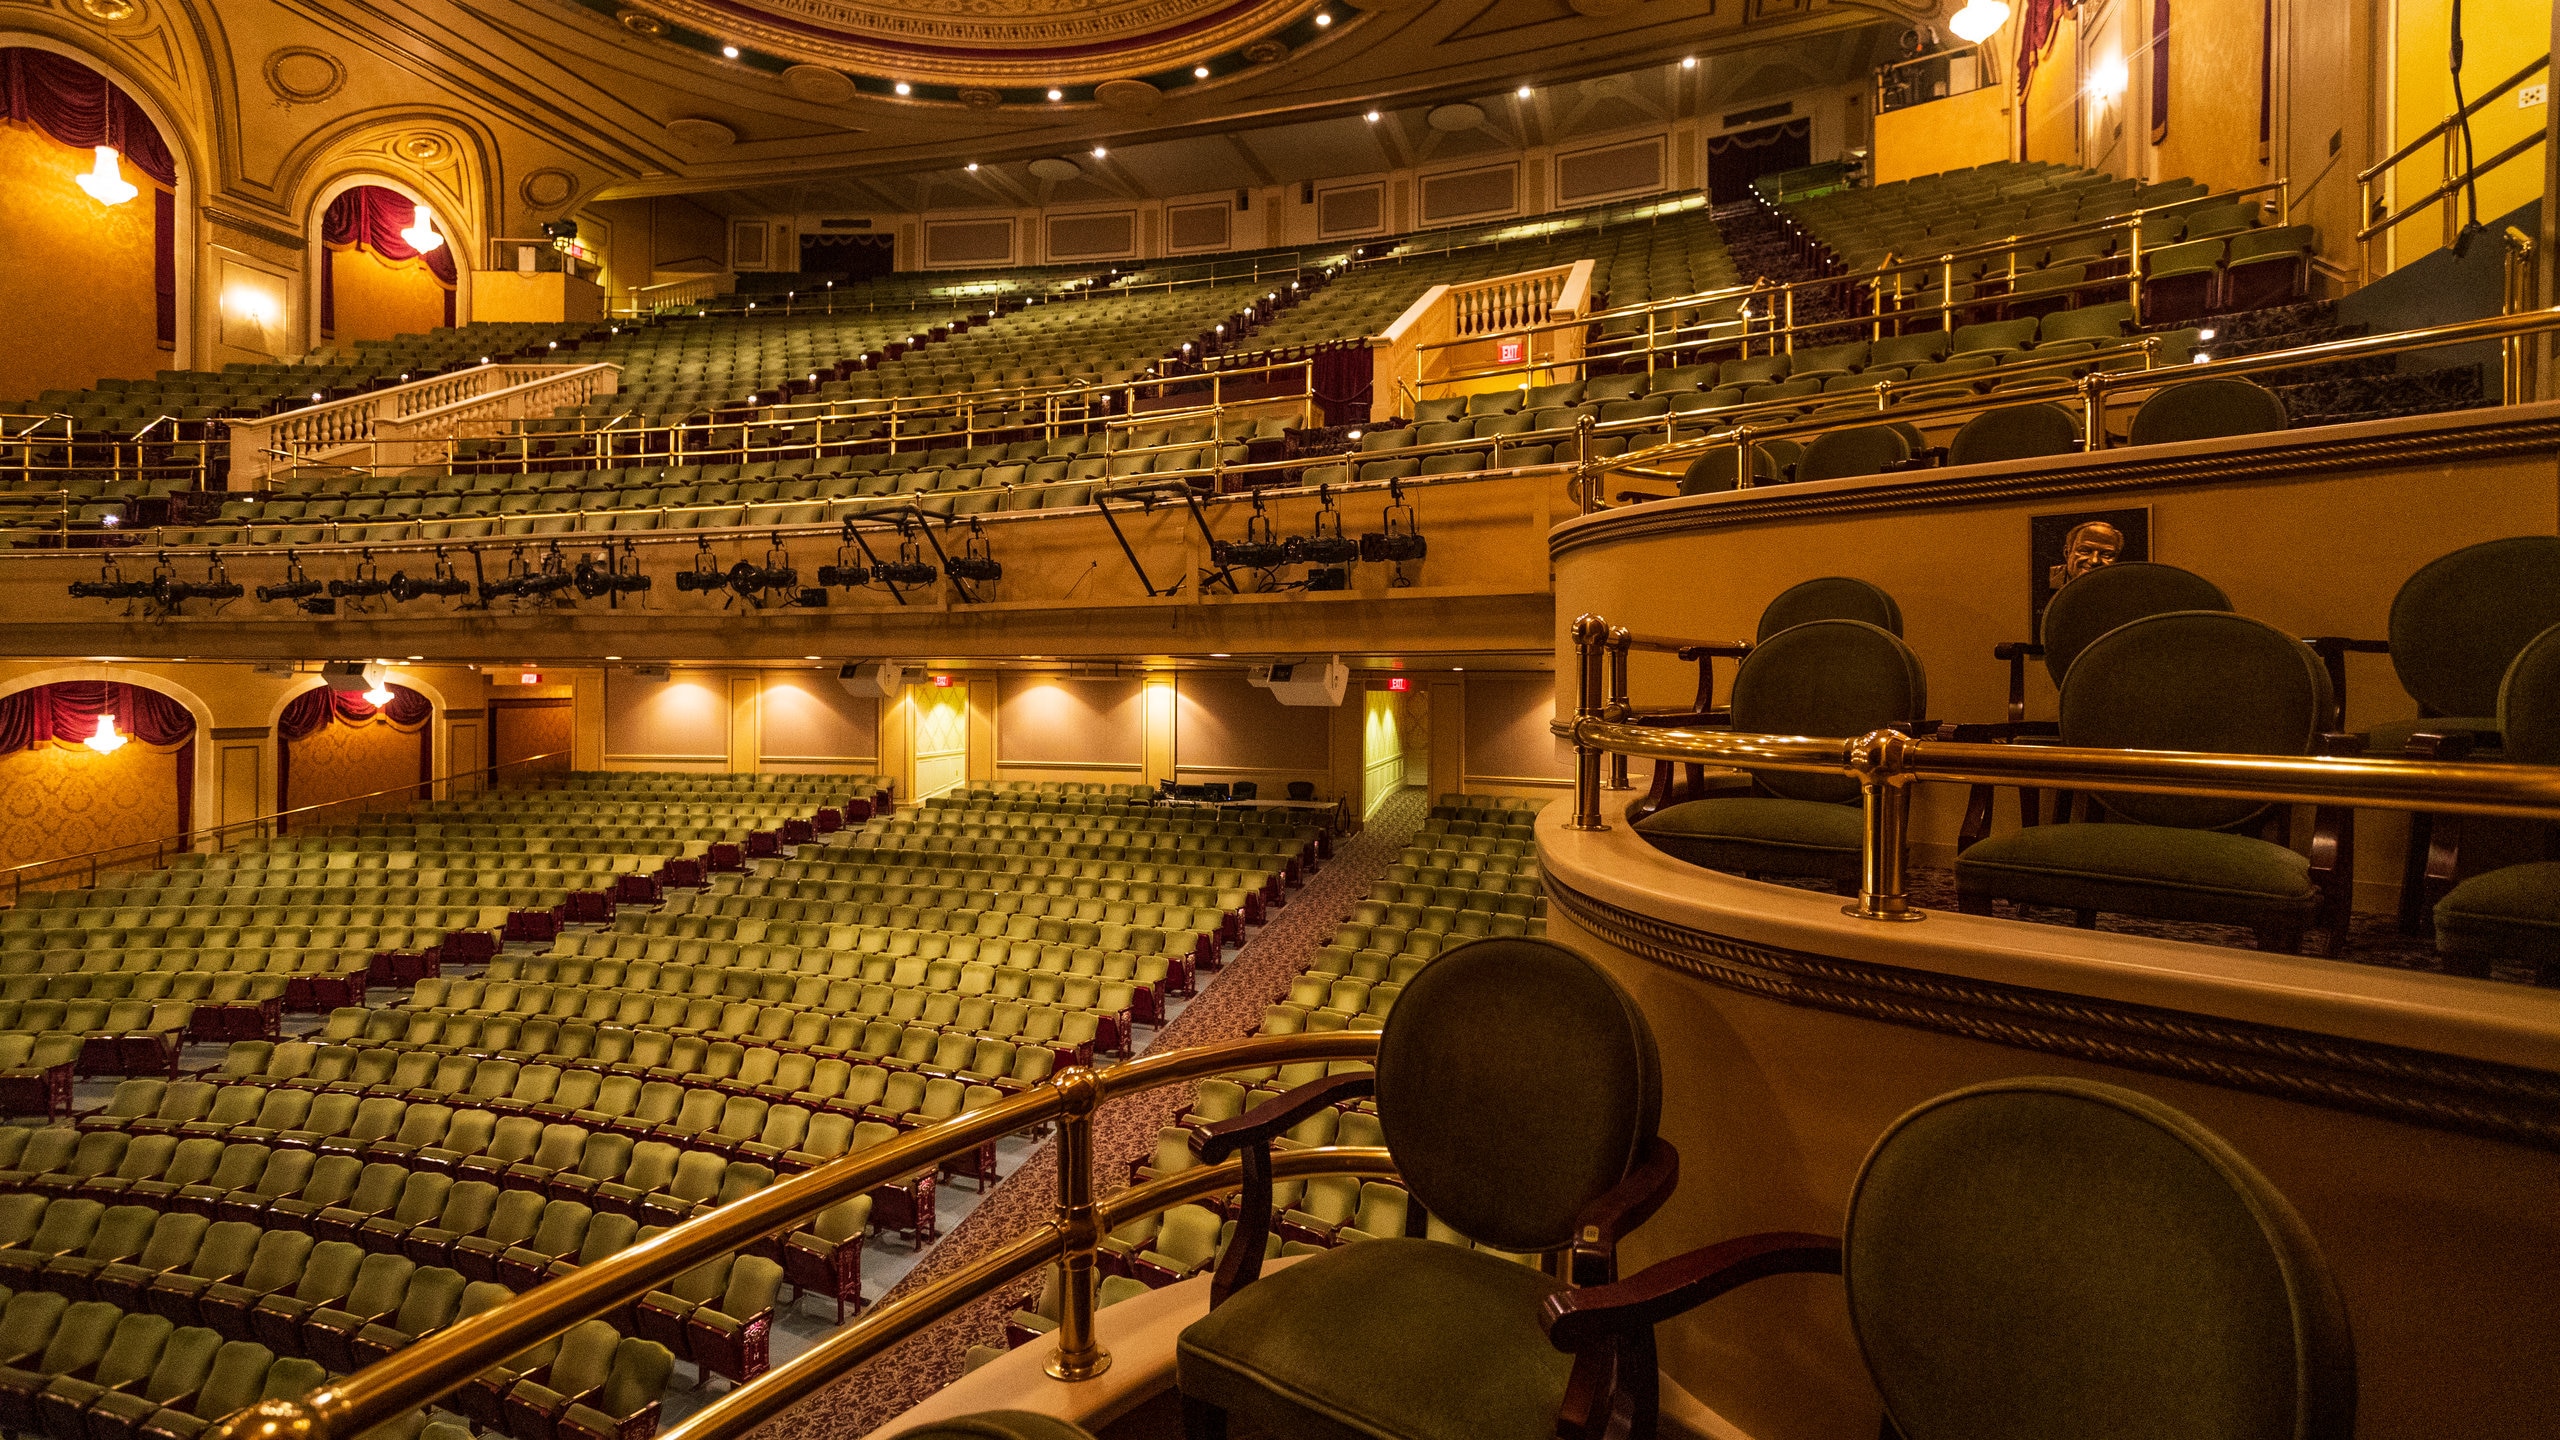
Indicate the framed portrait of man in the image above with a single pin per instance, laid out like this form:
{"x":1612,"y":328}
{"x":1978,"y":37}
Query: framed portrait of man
{"x":2061,"y":548}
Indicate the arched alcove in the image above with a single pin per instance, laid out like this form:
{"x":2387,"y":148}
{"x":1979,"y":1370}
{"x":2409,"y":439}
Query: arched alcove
{"x":335,"y":745}
{"x":62,"y":797}
{"x":366,"y":281}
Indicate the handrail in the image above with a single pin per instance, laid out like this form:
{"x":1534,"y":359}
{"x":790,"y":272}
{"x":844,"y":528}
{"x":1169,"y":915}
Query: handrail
{"x":2380,"y":219}
{"x":443,"y":1362}
{"x":1887,"y":763}
{"x":162,"y":849}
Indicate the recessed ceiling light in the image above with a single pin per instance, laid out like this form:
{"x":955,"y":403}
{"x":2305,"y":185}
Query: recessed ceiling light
{"x":973,"y":167}
{"x":1323,"y":19}
{"x":1524,"y":92}
{"x":730,"y":51}
{"x":1099,"y":152}
{"x":1371,"y":117}
{"x":1217,"y":654}
{"x":904,"y":88}
{"x":809,"y":657}
{"x":1057,"y":94}
{"x":1688,"y":62}
{"x":1199,"y":72}
{"x":613,"y":657}
{"x":1457,"y":669}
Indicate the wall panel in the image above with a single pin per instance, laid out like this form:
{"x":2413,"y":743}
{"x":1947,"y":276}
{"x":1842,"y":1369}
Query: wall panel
{"x":1507,"y":740}
{"x":809,"y":721}
{"x":66,"y":799}
{"x":679,"y":721}
{"x":1050,"y":722}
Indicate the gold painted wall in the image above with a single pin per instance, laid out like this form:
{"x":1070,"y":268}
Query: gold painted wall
{"x":80,"y":273}
{"x":67,"y":799}
{"x":1974,"y":128}
{"x":2214,"y":49}
{"x":2499,"y":36}
{"x":522,"y":729}
{"x":340,"y":760}
{"x":376,"y":300}
{"x":2052,"y":101}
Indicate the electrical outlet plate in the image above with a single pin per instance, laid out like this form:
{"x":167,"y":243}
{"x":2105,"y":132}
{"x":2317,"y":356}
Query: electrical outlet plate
{"x":2528,"y":96}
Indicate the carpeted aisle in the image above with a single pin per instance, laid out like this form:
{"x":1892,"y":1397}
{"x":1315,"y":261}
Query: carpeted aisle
{"x":1229,"y":1005}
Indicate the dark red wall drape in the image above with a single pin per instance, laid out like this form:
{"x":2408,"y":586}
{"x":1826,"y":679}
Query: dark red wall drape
{"x":69,"y":710}
{"x":307,"y":712}
{"x":370,"y":217}
{"x":75,"y":105}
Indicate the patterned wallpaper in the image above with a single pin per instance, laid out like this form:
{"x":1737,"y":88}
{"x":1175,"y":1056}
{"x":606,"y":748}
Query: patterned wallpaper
{"x":66,"y":799}
{"x":339,"y":760}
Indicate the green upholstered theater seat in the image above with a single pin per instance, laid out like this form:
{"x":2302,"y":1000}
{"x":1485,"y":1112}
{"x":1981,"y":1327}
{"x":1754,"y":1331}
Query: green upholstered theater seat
{"x":998,"y":1425}
{"x":2204,"y":875}
{"x":2015,"y":432}
{"x":1767,"y":833}
{"x":2511,"y":913}
{"x":2206,"y":410}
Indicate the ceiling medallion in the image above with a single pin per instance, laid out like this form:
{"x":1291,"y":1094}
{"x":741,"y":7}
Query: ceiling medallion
{"x":1266,"y":52}
{"x":977,"y":99}
{"x":991,"y":44}
{"x":701,"y":134}
{"x":1052,"y":167}
{"x":1456,"y":118}
{"x":548,"y":189}
{"x":423,"y":147}
{"x":300,"y":75}
{"x":817,"y":84}
{"x":110,"y":12}
{"x":641,"y":22}
{"x":1131,"y":95}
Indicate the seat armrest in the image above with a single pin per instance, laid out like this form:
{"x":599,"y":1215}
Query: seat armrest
{"x":1577,"y":1319}
{"x":1628,"y":1204}
{"x":1272,"y":1118}
{"x":2442,"y":744}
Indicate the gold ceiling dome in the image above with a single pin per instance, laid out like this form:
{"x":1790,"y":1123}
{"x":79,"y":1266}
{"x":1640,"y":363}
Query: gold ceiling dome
{"x":983,"y":43}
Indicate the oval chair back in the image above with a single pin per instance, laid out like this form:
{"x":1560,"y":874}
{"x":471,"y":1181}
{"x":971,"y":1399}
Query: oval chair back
{"x":2529,"y":702}
{"x":1828,"y":678}
{"x":2458,"y":624}
{"x":2112,"y":595}
{"x":2195,"y":680}
{"x":2015,"y":432}
{"x":1509,"y":1141}
{"x":2040,"y":1257}
{"x":2206,"y":410}
{"x":1830,"y":597}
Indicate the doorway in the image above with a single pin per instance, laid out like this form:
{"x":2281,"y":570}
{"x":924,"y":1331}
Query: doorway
{"x":1395,"y":746}
{"x":848,"y":257}
{"x":938,"y":725}
{"x":1735,"y":160}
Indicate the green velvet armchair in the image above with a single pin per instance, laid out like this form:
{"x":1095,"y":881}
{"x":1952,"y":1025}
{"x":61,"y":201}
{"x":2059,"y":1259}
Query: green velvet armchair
{"x":2513,"y":912}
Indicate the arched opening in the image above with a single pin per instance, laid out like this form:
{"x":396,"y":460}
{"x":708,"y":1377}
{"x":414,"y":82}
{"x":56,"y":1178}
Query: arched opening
{"x":91,"y":225}
{"x":334,"y":746}
{"x":68,"y":787}
{"x":375,"y":283}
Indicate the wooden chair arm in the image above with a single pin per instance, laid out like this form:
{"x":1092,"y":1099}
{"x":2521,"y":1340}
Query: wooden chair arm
{"x":1628,"y":1204}
{"x":2442,"y":744}
{"x":1716,"y":650}
{"x":1578,"y":1319}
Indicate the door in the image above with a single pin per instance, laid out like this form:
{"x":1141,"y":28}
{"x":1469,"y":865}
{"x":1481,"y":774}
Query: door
{"x":938,"y":718}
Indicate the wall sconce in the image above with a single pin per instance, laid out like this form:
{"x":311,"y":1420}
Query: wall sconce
{"x":2110,"y":79}
{"x":106,"y":741}
{"x":1979,"y":20}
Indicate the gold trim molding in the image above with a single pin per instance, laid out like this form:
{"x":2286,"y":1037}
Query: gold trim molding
{"x":2289,"y":455}
{"x":1017,"y":42}
{"x":2500,"y":1102}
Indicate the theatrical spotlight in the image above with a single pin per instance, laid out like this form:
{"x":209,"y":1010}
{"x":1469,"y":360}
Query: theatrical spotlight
{"x":847,"y":571}
{"x":443,"y":582}
{"x":973,"y":563}
{"x":296,"y":586}
{"x":171,"y":591}
{"x":110,"y":585}
{"x":705,"y":574}
{"x":1260,"y":549}
{"x":608,"y":578}
{"x":1399,"y":537}
{"x":910,"y":568}
{"x":1327,"y":545}
{"x":365,"y":584}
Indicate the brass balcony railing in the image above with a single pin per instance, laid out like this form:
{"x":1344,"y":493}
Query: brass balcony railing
{"x":443,"y":1362}
{"x":2452,"y":135}
{"x":1887,"y":763}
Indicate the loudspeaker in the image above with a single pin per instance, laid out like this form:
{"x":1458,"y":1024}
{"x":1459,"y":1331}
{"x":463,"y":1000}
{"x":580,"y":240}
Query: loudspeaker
{"x":1244,"y":200}
{"x":1306,"y":192}
{"x":346,"y":676}
{"x":1302,"y":683}
{"x":871,"y":679}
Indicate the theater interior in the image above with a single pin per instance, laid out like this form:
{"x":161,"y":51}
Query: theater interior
{"x":775,"y":720}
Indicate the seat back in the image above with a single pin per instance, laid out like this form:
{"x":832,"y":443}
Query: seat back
{"x":1509,"y":1163}
{"x":2206,"y":410}
{"x":2041,"y":1257}
{"x":2529,"y":702}
{"x":2014,"y":432}
{"x":1832,"y":597}
{"x":2195,"y":680}
{"x":1828,"y":678}
{"x":1858,"y":450}
{"x":2111,"y":595}
{"x":2459,"y":623}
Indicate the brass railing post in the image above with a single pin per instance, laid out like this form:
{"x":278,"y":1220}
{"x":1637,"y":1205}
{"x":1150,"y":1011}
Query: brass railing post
{"x":1590,"y":641}
{"x":1882,"y":760}
{"x":2093,"y":411}
{"x":1586,"y":470}
{"x":1621,"y":641}
{"x":2516,"y":352}
{"x":1079,"y":1355}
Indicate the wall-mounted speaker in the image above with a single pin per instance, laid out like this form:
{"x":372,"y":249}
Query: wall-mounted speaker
{"x":1306,"y":192}
{"x":1244,"y":200}
{"x":871,"y":679}
{"x":346,"y":676}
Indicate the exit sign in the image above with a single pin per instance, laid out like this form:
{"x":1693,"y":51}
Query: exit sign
{"x":529,"y":677}
{"x":1399,"y":684}
{"x":1510,"y":352}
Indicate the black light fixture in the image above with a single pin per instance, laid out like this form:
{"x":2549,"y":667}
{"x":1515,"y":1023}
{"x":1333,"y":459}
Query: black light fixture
{"x":1260,"y":549}
{"x":612,"y":577}
{"x":111,"y":585}
{"x":910,"y":568}
{"x":441,"y":582}
{"x":1398,"y":539}
{"x":848,"y":572}
{"x":705,"y":573}
{"x":217,"y":584}
{"x":973,"y":563}
{"x":1327,"y":545}
{"x":365,"y":584}
{"x":296,"y":586}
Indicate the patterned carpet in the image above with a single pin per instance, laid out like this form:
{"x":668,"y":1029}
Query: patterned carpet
{"x":1229,"y":1004}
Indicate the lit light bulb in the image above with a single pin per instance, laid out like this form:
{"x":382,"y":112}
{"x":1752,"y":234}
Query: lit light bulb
{"x":2110,"y":78}
{"x":421,"y":233}
{"x":1099,"y":152}
{"x":107,"y":185}
{"x":1688,"y":62}
{"x":1199,"y":72}
{"x":904,"y":88}
{"x":1979,"y":20}
{"x":972,"y":167}
{"x":1522,"y":92}
{"x":106,"y":741}
{"x":1057,"y":94}
{"x":729,"y":51}
{"x":1323,"y":19}
{"x":378,"y":696}
{"x":1371,"y":117}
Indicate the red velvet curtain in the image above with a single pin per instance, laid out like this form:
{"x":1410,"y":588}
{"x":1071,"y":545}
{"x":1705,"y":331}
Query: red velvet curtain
{"x":75,"y":105}
{"x":68,"y":710}
{"x":370,"y":217}
{"x":307,"y":712}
